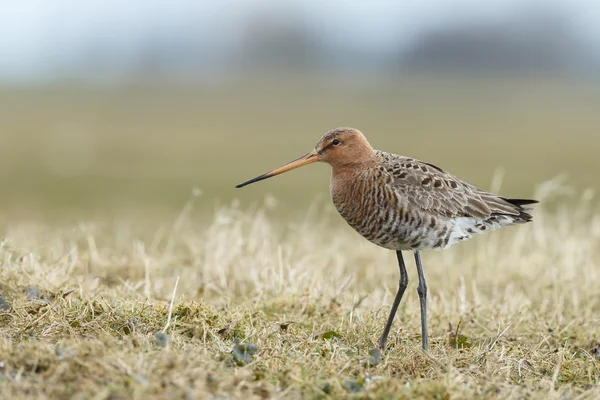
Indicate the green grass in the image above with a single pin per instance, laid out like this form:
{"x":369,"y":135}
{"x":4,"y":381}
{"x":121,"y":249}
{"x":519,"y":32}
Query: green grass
{"x":76,"y":151}
{"x":266,"y":308}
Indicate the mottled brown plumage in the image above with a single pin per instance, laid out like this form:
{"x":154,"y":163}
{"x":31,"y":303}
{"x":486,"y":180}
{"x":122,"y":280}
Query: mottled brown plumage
{"x":401,"y":203}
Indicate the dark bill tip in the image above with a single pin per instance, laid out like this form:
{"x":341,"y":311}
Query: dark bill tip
{"x":249,"y":181}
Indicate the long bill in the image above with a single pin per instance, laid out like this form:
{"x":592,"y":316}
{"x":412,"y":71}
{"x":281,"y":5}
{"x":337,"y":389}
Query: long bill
{"x":306,"y":159}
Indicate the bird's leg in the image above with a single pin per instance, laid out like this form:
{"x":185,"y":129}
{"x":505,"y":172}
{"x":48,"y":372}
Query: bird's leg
{"x":422,"y":290}
{"x":401,"y":288}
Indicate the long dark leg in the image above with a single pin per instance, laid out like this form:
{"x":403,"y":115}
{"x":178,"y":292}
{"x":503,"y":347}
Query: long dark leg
{"x":401,"y":288}
{"x":422,"y":290}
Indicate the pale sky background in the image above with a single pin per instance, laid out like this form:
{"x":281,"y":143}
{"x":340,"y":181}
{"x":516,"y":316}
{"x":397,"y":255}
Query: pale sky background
{"x":39,"y":38}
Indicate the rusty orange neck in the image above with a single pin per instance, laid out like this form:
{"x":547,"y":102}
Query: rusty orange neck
{"x":344,"y":173}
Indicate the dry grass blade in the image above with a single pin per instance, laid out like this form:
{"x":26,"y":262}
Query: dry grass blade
{"x":171,"y":306}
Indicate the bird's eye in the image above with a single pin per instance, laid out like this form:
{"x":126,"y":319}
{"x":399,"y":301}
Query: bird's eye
{"x":336,"y":142}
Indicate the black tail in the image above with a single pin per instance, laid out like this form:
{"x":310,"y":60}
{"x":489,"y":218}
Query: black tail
{"x":519,"y":203}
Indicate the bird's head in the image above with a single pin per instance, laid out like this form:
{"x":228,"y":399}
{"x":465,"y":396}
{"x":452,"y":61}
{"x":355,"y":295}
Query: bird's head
{"x":340,"y":147}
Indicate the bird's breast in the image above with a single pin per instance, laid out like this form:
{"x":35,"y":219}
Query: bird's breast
{"x":384,"y":217}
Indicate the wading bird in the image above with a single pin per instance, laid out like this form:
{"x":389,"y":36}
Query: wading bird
{"x":400,"y":203}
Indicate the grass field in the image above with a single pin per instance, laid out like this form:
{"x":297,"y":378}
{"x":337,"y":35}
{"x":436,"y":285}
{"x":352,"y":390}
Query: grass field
{"x":77,"y":151}
{"x":264,"y":310}
{"x":130,"y":268}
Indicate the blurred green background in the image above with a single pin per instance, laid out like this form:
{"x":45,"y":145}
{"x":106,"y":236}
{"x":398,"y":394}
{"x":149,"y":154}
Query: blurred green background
{"x":97,"y":137}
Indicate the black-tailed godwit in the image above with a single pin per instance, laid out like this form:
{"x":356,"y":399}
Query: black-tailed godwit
{"x":400,"y":203}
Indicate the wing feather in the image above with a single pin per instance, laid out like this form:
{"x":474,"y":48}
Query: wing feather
{"x":430,"y":189}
